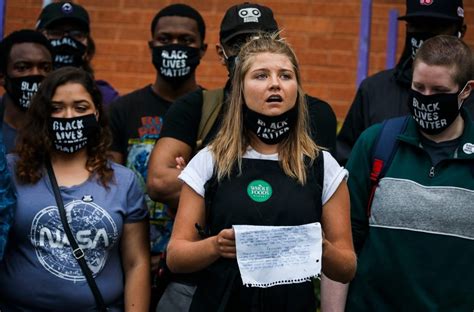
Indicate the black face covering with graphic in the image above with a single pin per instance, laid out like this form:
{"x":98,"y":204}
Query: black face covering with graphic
{"x":231,"y":64}
{"x":413,"y":42}
{"x":175,"y":63}
{"x":433,"y":113}
{"x":22,"y":89}
{"x":67,"y":52}
{"x":270,"y":129}
{"x":70,"y":135}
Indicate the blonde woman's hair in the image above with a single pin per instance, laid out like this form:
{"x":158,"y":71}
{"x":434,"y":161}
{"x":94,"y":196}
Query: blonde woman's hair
{"x":233,"y":138}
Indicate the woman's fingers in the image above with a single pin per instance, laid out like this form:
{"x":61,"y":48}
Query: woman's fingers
{"x":226,"y":243}
{"x":228,"y":234}
{"x":180,"y":163}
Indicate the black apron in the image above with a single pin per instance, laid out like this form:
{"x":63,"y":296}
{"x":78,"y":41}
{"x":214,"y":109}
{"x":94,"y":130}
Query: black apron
{"x":228,"y":203}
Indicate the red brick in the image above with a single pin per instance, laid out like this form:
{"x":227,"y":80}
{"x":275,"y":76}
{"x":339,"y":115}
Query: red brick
{"x":335,"y":9}
{"x":306,"y":24}
{"x":101,"y":31}
{"x":133,"y":33}
{"x":347,"y":60}
{"x":29,"y":14}
{"x":346,"y":26}
{"x":104,"y":4}
{"x":332,"y":76}
{"x":316,"y":90}
{"x":24,"y":3}
{"x":125,"y":48}
{"x":103,"y":64}
{"x":342,"y":92}
{"x":312,"y":57}
{"x":324,"y":34}
{"x":332,"y":42}
{"x":297,"y":40}
{"x":121,"y":16}
{"x":280,"y":8}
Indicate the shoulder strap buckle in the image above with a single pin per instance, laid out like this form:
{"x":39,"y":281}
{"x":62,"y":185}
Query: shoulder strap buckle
{"x":78,"y":253}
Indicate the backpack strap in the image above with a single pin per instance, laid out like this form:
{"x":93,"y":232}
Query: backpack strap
{"x":211,"y":106}
{"x":318,"y":171}
{"x":385,"y":147}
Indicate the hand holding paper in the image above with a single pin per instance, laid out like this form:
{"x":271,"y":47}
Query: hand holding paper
{"x":225,"y":243}
{"x":276,"y":255}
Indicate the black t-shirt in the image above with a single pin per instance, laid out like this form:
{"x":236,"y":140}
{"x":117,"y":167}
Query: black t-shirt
{"x":136,"y":121}
{"x":182,"y":121}
{"x":439,"y":151}
{"x":136,"y":116}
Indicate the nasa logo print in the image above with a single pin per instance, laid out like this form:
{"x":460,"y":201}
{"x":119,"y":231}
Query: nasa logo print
{"x":93,"y":228}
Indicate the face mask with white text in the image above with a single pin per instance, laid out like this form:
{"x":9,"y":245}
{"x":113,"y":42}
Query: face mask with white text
{"x":70,"y":135}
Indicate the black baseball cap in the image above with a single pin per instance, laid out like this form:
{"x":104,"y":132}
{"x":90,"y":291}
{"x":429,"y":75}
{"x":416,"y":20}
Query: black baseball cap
{"x":451,"y":10}
{"x":61,"y":11}
{"x":246,"y":18}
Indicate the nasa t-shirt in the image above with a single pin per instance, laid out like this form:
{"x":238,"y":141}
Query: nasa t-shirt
{"x":39,"y":271}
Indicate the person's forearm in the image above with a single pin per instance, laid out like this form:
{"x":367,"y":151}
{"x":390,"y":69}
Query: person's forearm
{"x":333,"y":295}
{"x":187,"y":257}
{"x":137,"y":288}
{"x":166,"y":187}
{"x":338,"y":264}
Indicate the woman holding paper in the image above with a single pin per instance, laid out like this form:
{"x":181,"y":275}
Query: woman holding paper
{"x":261,"y":169}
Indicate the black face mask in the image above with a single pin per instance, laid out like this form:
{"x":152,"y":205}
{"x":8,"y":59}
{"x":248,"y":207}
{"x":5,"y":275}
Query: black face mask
{"x":70,"y":135}
{"x":270,"y":129}
{"x":22,"y":89}
{"x":433,"y":113}
{"x":413,"y":42}
{"x":230,"y":63}
{"x":67,"y":52}
{"x":175,"y":63}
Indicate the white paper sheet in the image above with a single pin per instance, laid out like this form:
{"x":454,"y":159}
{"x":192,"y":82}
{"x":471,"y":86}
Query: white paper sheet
{"x":276,"y":255}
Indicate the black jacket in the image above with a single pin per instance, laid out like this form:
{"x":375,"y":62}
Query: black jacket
{"x":379,"y":97}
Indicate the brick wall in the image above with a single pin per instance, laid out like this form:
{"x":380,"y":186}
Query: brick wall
{"x":324,"y":34}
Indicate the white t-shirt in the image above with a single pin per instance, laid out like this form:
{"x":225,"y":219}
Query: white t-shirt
{"x":200,"y":170}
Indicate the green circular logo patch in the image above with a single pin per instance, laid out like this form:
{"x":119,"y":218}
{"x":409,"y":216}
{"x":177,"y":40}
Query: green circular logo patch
{"x":259,"y":191}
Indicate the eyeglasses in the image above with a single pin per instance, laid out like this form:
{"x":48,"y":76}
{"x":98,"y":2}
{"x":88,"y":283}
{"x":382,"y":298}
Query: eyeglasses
{"x":79,"y":35}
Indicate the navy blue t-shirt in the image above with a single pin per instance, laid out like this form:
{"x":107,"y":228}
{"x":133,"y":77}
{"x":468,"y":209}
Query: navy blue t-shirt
{"x":39,"y":271}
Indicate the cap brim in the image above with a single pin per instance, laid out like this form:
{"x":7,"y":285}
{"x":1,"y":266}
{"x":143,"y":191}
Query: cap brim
{"x":245,"y":31}
{"x":78,"y":20}
{"x":410,"y":17}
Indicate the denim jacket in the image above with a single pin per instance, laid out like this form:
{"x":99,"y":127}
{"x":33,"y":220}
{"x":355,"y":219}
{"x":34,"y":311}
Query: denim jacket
{"x":7,"y":199}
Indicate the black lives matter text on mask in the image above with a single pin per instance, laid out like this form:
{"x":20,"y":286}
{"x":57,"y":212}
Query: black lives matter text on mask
{"x":28,"y":90}
{"x":427,"y":115}
{"x":67,"y":52}
{"x":174,"y":63}
{"x":64,"y":41}
{"x":272,"y":131}
{"x":69,"y":135}
{"x":74,"y":133}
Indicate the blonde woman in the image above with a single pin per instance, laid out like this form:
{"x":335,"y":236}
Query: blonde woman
{"x":264,"y":137}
